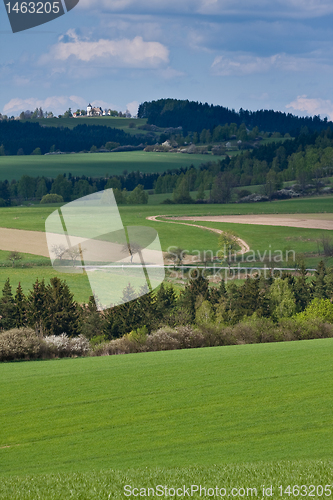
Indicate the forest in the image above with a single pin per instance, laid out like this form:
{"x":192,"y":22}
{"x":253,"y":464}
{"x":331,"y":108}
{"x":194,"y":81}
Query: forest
{"x":18,"y":137}
{"x":195,"y":116}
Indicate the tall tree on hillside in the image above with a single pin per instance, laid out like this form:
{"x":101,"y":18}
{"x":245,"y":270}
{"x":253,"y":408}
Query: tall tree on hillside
{"x":20,"y":311}
{"x":7,"y":307}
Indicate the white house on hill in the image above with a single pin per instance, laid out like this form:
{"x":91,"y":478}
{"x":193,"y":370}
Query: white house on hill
{"x":97,"y":111}
{"x":94,"y":111}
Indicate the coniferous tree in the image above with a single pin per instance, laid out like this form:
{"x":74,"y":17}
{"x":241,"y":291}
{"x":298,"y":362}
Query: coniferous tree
{"x":248,"y":297}
{"x":302,"y":290}
{"x":37,"y":307}
{"x":91,"y":320}
{"x":62,"y":310}
{"x":319,"y":283}
{"x":329,"y":284}
{"x":20,"y":312}
{"x":7,"y":307}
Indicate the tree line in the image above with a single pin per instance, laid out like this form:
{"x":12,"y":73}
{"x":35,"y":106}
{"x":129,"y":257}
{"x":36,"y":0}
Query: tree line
{"x":128,"y":188}
{"x":195,"y":116}
{"x":51,"y":309}
{"x":18,"y":137}
{"x":307,"y":160}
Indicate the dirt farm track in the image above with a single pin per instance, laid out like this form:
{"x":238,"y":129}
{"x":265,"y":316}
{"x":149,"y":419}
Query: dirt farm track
{"x":34,"y":242}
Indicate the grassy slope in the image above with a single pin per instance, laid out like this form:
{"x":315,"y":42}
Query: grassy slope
{"x":106,"y":121}
{"x":94,"y":165}
{"x":200,"y":407}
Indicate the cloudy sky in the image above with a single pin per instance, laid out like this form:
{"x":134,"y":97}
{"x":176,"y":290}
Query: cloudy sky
{"x":254,"y":54}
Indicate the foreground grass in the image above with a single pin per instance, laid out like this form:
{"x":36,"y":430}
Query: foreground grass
{"x":94,"y":165}
{"x":106,"y":484}
{"x":176,"y":409}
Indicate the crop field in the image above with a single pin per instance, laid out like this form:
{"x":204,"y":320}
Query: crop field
{"x":189,"y":412}
{"x":95,"y":164}
{"x":103,"y":485}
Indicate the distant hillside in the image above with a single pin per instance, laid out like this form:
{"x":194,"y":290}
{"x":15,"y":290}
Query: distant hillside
{"x":16,"y":135}
{"x":195,"y":116}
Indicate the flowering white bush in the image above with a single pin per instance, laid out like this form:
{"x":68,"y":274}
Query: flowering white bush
{"x":62,"y":345}
{"x":80,"y":345}
{"x":19,"y":343}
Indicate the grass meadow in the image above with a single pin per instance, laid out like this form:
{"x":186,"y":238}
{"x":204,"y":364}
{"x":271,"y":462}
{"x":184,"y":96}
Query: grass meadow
{"x":238,"y":416}
{"x":95,"y":164}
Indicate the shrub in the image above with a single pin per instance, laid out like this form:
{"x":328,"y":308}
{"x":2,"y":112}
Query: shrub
{"x":19,"y":343}
{"x":319,"y":308}
{"x":63,"y":346}
{"x":189,"y":338}
{"x":118,"y":346}
{"x":52,"y":198}
{"x":163,"y":340}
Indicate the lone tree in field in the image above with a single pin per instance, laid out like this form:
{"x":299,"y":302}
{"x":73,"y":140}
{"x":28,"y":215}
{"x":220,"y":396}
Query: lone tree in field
{"x":14,"y":257}
{"x":177,"y":255}
{"x":228,"y":243}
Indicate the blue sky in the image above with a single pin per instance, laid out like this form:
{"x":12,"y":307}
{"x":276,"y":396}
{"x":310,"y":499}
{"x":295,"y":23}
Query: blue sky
{"x":254,"y":54}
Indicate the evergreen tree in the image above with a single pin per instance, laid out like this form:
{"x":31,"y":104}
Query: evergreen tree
{"x":302,"y":290}
{"x":62,"y":310}
{"x":91,"y":320}
{"x":20,"y":312}
{"x":329,"y":284}
{"x":147,"y":308}
{"x":248,"y":297}
{"x":37,"y":307}
{"x":165,"y":300}
{"x":7,"y":307}
{"x":319,"y":283}
{"x":199,"y":285}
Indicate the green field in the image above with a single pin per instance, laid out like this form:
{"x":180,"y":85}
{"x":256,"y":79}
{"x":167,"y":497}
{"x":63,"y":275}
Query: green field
{"x":190,"y":408}
{"x":94,"y":164}
{"x":33,"y":218}
{"x":260,"y":238}
{"x":103,"y":485}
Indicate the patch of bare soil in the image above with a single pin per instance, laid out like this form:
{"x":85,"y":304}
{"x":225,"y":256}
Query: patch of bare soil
{"x":19,"y":240}
{"x":307,"y":221}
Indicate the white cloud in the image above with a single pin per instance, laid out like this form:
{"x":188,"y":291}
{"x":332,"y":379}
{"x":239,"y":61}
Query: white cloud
{"x":57,"y":104}
{"x":133,"y":107}
{"x":241,"y":65}
{"x":135,"y":53}
{"x":312,"y":106}
{"x":102,"y":104}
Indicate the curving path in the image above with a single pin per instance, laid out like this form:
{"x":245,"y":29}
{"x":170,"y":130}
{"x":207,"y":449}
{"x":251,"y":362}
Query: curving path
{"x":244,"y":247}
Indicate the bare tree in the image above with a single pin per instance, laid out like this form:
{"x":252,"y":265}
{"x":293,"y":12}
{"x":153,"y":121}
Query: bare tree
{"x":14,"y":257}
{"x":325,"y":241}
